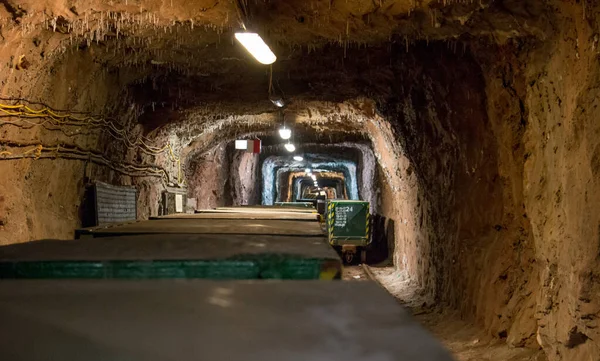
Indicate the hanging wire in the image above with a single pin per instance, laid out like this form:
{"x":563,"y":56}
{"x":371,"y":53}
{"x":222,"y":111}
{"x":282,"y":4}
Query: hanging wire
{"x":241,"y":7}
{"x":39,"y":151}
{"x":270,"y":80}
{"x":280,"y":89}
{"x":40,"y":117}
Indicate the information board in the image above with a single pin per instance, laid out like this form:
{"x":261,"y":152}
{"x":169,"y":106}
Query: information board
{"x":342,"y":213}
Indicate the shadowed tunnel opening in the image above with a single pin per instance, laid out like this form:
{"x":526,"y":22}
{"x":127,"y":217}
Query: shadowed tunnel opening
{"x":469,"y":127}
{"x":332,"y":185}
{"x":279,"y":186}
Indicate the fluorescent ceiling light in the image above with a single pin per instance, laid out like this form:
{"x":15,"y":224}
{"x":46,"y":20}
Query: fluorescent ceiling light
{"x":298,"y":158}
{"x":257,"y":47}
{"x":285,"y":133}
{"x":290,"y":147}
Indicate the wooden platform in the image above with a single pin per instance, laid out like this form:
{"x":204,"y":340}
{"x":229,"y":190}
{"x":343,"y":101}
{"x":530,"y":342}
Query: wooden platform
{"x":173,"y":256}
{"x":246,"y":209}
{"x":168,"y":247}
{"x":203,"y":320}
{"x":208,"y":214}
{"x":206,"y":226}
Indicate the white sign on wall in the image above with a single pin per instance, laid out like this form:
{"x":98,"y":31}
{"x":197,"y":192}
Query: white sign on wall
{"x":179,"y":203}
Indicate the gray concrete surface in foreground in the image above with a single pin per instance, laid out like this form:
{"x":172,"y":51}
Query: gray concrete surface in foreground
{"x":207,"y":320}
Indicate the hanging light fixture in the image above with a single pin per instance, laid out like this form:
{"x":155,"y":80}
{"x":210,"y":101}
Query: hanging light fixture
{"x":277,"y":101}
{"x":257,"y":47}
{"x":285,"y":133}
{"x":298,"y":158}
{"x":290,"y":147}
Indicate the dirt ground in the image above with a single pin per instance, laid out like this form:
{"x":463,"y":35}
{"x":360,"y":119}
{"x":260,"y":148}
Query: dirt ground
{"x":354,"y":273}
{"x":465,"y":340}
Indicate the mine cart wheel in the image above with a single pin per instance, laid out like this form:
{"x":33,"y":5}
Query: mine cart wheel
{"x":348,"y":257}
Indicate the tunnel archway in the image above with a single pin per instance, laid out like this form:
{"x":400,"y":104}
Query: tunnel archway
{"x":470,"y":128}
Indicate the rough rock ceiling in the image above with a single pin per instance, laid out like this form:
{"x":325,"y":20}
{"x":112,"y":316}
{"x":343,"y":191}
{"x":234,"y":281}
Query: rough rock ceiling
{"x":178,"y":32}
{"x":174,"y":57}
{"x":178,"y":53}
{"x":287,"y":21}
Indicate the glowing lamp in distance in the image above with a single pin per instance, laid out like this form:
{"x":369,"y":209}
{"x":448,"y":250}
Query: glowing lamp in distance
{"x":285,"y":133}
{"x":257,"y":47}
{"x":290,"y":147}
{"x":298,"y":158}
{"x":314,"y":177}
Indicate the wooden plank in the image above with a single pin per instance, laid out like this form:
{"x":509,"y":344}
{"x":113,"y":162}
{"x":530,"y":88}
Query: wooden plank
{"x":167,"y":247}
{"x":249,"y":211}
{"x":164,"y":256}
{"x":291,"y":216}
{"x":207,"y":320}
{"x":208,"y":226}
{"x":266,"y":209}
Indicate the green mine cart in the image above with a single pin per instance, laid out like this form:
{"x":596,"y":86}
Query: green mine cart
{"x":348,"y":225}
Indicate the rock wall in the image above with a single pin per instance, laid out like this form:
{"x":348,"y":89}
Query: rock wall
{"x":503,"y":300}
{"x":46,"y":163}
{"x":561,"y":182}
{"x":542,"y":100}
{"x":440,"y":121}
{"x":505,"y":146}
{"x":464,"y":236}
{"x":244,"y":178}
{"x":208,"y":176}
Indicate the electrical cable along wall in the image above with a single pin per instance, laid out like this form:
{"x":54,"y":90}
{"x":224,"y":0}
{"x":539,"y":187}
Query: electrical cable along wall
{"x":20,"y":114}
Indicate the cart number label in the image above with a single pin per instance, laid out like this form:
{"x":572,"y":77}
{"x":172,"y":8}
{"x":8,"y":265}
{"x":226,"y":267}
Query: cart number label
{"x":341,"y":215}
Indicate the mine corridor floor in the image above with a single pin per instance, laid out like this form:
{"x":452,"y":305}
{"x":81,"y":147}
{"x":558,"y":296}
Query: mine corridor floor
{"x":354,"y":273}
{"x":466,"y":341}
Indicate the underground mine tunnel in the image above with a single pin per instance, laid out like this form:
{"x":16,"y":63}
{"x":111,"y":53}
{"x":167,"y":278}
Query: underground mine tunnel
{"x":471,"y":128}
